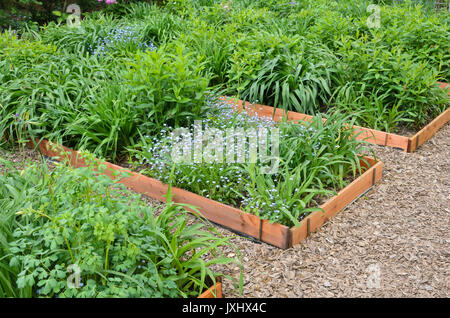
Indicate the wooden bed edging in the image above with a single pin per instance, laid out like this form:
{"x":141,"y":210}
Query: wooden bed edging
{"x":429,"y":130}
{"x":213,"y":292}
{"x":378,"y":137}
{"x":248,"y":224}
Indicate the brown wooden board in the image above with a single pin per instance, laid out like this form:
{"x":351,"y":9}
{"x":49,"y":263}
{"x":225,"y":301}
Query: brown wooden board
{"x":409,"y":144}
{"x":428,"y":131}
{"x":213,"y":292}
{"x":245,"y":223}
{"x":444,"y":85}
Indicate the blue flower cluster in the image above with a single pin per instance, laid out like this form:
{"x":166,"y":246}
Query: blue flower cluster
{"x":119,"y":38}
{"x":157,"y":157}
{"x":219,"y":181}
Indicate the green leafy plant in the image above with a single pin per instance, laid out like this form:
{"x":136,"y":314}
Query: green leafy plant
{"x":122,"y":247}
{"x":386,"y":87}
{"x":283,"y":71}
{"x":169,"y":86}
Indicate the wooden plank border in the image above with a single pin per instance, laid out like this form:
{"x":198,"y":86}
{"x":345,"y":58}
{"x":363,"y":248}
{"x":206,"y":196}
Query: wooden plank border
{"x":408,"y":144}
{"x":213,"y":292}
{"x":239,"y":221}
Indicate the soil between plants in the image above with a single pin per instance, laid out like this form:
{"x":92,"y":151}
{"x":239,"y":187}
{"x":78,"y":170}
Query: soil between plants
{"x":392,"y":242}
{"x":21,"y":159}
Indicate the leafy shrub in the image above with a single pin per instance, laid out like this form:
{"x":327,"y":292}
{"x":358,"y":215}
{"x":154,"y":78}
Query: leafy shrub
{"x":169,"y":87}
{"x":385,"y":87}
{"x":52,"y":88}
{"x":286,"y":72}
{"x":216,"y":46}
{"x":121,"y":38}
{"x":99,"y":35}
{"x":16,"y":19}
{"x":308,"y":56}
{"x":42,"y":12}
{"x":157,"y":23}
{"x":424,"y":36}
{"x":88,"y":97}
{"x":18,"y":116}
{"x":108,"y":123}
{"x":123,"y":248}
{"x":17,"y":52}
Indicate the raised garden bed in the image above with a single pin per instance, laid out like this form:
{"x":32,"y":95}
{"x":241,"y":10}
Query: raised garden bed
{"x":245,"y":223}
{"x":408,"y":144}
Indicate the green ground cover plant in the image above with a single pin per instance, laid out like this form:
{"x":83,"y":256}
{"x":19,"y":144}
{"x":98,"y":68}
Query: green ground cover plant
{"x":52,"y":219}
{"x":307,"y":56}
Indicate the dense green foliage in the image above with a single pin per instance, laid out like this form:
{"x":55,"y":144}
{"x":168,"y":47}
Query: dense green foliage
{"x":50,"y":220}
{"x":101,"y":101}
{"x":130,"y":75}
{"x":142,"y":68}
{"x":25,"y":14}
{"x":309,"y":56}
{"x":119,"y":84}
